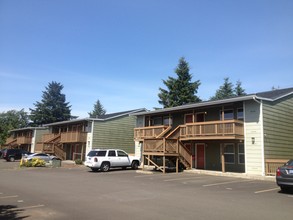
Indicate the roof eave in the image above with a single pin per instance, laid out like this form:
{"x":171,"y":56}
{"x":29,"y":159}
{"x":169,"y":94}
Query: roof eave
{"x":197,"y":105}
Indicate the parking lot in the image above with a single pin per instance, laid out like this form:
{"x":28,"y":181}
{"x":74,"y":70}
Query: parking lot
{"x":74,"y":192}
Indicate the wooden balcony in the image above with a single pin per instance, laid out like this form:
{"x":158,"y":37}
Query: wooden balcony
{"x":230,"y":129}
{"x":47,"y":138}
{"x":24,"y":140}
{"x":10,"y":140}
{"x":150,"y":132}
{"x":73,"y":137}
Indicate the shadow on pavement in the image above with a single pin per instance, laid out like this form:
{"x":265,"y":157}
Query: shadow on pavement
{"x":8,"y":212}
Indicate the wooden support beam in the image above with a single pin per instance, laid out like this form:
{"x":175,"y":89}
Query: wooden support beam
{"x":222,"y":146}
{"x":164,"y":164}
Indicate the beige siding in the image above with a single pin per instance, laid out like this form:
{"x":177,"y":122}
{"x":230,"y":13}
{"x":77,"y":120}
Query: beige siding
{"x":37,"y":138}
{"x":115,"y":133}
{"x":253,"y":129}
{"x":278,"y":128}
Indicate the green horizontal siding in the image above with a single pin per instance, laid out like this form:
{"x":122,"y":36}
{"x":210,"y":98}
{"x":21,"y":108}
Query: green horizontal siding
{"x":115,"y":133}
{"x":278,"y":128}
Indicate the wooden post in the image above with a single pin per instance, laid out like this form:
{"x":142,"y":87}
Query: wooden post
{"x":164,"y":164}
{"x":222,"y":157}
{"x":177,"y":164}
{"x":143,"y":159}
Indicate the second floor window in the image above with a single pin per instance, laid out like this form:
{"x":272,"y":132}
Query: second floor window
{"x":157,"y":121}
{"x":240,"y":113}
{"x":228,"y":115}
{"x":167,"y":120}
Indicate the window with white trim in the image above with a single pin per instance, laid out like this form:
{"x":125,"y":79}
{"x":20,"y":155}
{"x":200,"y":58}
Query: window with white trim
{"x":229,"y":154}
{"x":241,"y":154}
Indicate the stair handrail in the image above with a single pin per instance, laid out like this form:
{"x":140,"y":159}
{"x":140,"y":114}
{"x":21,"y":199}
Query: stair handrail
{"x":185,"y":153}
{"x":59,"y":152}
{"x":174,"y":131}
{"x":164,"y":132}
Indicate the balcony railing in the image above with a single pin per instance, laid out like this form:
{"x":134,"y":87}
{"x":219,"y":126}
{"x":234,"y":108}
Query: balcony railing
{"x":197,"y":130}
{"x":213,"y":129}
{"x":10,"y":140}
{"x":24,"y":140}
{"x":149,"y":132}
{"x":70,"y":137}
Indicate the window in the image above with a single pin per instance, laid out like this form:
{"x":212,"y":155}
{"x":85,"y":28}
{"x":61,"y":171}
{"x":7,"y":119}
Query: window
{"x":167,"y":120}
{"x":228,"y":114}
{"x":112,"y":153}
{"x":240,"y":113}
{"x":241,"y":157}
{"x":121,"y":154}
{"x":157,"y":121}
{"x":101,"y":153}
{"x":229,"y":153}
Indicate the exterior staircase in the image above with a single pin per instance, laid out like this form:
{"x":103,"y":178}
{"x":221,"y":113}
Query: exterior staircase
{"x":167,"y":146}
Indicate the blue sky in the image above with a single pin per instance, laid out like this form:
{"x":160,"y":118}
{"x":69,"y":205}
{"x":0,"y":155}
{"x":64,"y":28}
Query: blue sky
{"x":119,"y":51}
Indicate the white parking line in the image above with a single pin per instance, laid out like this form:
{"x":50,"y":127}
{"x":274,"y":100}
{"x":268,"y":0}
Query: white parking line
{"x":183,"y":178}
{"x":7,"y":197}
{"x":27,"y":207}
{"x":266,"y":190}
{"x":223,"y":183}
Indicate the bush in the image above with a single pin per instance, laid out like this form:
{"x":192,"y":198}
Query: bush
{"x":78,"y":161}
{"x":35,"y":162}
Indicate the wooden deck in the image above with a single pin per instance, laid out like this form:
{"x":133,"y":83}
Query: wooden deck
{"x":230,"y":129}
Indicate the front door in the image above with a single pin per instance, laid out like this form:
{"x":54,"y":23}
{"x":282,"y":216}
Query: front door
{"x":200,"y":156}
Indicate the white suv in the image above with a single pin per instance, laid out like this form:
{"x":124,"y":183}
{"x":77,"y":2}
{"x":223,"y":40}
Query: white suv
{"x":104,"y":159}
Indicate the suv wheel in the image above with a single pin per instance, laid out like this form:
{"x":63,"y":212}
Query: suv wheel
{"x":134,"y":165}
{"x":105,"y":167}
{"x":11,"y":159}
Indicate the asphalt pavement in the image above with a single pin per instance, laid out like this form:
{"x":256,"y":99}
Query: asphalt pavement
{"x":74,"y":192}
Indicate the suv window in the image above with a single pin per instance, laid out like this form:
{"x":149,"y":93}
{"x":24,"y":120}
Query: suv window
{"x":121,"y":154}
{"x":112,"y":153}
{"x":100,"y":153}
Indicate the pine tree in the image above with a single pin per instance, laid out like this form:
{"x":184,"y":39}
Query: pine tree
{"x":239,"y":91}
{"x":179,"y":90}
{"x":227,"y":90}
{"x":98,"y":110}
{"x":53,"y":106}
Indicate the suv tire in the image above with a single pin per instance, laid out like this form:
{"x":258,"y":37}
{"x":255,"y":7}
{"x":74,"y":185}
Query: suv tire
{"x":11,"y":159}
{"x":134,"y":165}
{"x":105,"y":167}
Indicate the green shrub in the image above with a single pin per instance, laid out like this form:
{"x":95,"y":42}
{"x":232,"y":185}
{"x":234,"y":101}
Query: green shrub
{"x":78,"y":161}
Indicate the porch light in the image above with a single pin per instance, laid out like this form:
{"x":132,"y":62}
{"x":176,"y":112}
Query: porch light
{"x":253,"y":140}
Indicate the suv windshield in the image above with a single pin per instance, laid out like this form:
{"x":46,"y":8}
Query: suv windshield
{"x":100,"y":153}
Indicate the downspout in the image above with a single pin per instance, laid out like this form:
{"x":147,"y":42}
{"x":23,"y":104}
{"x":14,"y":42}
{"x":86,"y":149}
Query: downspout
{"x":261,"y":134}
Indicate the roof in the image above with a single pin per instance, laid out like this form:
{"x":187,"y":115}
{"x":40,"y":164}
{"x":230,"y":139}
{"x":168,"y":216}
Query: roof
{"x":29,"y":128}
{"x":100,"y":118}
{"x":268,"y":96}
{"x":275,"y":94}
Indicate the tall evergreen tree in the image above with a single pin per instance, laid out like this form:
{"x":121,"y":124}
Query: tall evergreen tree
{"x":179,"y":90}
{"x":98,"y":110}
{"x":227,"y":90}
{"x":53,"y":106}
{"x":239,"y":91}
{"x":10,"y":120}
